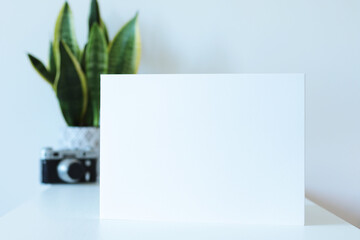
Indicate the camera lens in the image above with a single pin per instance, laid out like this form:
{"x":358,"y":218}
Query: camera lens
{"x":70,"y":170}
{"x":76,"y":171}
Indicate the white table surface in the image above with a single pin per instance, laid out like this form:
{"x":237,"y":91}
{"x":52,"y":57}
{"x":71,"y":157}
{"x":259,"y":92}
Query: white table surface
{"x":71,"y":212}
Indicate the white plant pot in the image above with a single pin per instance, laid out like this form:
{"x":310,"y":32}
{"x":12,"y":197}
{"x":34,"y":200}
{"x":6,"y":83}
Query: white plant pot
{"x":85,"y":138}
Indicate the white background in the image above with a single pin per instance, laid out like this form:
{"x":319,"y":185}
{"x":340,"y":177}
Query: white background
{"x":320,"y":38}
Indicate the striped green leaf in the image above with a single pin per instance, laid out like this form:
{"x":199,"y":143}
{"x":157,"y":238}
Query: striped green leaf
{"x":52,"y":64}
{"x":104,"y":28}
{"x":125,"y":49}
{"x":88,"y":119}
{"x":41,"y":69}
{"x":96,"y":59}
{"x":83,"y":57}
{"x":71,"y":88}
{"x":65,"y":31}
{"x":94,"y":17}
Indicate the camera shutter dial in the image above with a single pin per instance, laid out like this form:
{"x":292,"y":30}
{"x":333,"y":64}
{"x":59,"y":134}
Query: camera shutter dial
{"x":70,"y":170}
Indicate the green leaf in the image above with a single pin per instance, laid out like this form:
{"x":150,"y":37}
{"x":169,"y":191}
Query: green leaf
{"x":104,"y":28}
{"x":52,"y":64}
{"x":96,"y":64}
{"x":83,"y":57}
{"x":125,"y":49}
{"x":89,"y":115}
{"x":71,"y":88}
{"x":65,"y":31}
{"x":94,"y":16}
{"x":41,"y":69}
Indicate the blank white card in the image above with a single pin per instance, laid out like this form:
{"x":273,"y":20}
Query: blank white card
{"x":225,"y":148}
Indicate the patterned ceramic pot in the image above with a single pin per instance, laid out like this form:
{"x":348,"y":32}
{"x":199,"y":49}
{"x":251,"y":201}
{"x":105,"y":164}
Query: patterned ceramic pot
{"x":81,"y":138}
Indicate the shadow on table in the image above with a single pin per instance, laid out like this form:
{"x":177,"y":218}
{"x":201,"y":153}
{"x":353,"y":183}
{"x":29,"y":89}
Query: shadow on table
{"x":315,"y":215}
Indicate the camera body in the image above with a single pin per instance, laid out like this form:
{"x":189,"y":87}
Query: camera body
{"x":68,"y":166}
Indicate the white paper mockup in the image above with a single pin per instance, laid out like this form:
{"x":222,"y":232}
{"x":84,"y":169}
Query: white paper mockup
{"x":226,"y":148}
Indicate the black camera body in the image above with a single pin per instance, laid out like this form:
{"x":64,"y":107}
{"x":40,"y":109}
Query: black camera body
{"x":68,"y":166}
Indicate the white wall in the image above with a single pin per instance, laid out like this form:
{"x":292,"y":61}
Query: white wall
{"x":320,"y":38}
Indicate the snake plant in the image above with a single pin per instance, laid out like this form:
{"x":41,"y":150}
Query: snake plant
{"x":74,"y":74}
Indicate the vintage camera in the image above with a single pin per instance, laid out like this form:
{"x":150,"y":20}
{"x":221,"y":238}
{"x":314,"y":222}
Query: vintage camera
{"x":68,"y":166}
